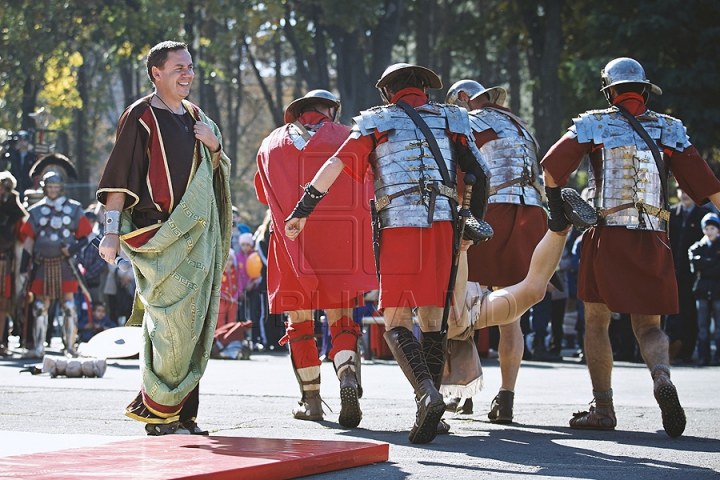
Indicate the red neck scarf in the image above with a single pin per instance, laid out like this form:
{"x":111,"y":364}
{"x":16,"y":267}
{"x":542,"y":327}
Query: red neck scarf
{"x":633,"y":102}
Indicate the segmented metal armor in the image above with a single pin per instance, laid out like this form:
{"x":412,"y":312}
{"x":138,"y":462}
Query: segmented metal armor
{"x":54,"y":223}
{"x":409,"y":189}
{"x":626,"y":188}
{"x":512,"y":158}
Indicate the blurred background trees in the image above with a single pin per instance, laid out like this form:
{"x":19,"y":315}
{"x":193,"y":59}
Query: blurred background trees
{"x":83,"y":62}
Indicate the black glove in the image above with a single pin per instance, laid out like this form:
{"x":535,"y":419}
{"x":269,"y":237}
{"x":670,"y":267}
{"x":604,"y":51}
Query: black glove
{"x":557,"y":221}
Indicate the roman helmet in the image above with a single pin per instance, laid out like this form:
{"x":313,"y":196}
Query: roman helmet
{"x":624,"y":70}
{"x":53,"y":178}
{"x":296,"y":107}
{"x":429,"y":78}
{"x":473,"y":89}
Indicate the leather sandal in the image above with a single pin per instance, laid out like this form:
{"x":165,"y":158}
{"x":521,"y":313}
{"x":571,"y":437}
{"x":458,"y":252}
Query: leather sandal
{"x":673,"y":415}
{"x":501,"y":409}
{"x":600,"y":417}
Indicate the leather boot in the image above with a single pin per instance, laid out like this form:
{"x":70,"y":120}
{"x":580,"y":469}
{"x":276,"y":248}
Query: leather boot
{"x":310,"y":406}
{"x":434,"y":346}
{"x":430,"y":406}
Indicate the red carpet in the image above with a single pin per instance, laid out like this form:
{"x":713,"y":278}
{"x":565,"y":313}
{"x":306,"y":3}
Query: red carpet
{"x":191,"y":456}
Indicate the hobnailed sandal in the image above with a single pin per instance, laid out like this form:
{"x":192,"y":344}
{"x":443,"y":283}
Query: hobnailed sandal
{"x":673,"y":415}
{"x":578,"y":212}
{"x":600,"y":417}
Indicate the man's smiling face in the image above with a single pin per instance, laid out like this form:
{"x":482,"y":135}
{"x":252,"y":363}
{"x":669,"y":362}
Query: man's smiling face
{"x":174,"y":79}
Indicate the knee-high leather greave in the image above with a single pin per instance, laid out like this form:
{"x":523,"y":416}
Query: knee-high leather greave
{"x":434,"y":347}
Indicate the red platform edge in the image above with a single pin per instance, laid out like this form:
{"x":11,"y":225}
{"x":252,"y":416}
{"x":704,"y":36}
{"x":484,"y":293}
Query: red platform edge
{"x":197,"y":457}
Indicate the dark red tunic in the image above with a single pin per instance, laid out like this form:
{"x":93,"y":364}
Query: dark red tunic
{"x":331,"y":263}
{"x":414,"y":262}
{"x":630,"y":271}
{"x":505,"y":259}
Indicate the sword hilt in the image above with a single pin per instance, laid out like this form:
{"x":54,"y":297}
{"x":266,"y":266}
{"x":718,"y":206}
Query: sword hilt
{"x":469,"y":180}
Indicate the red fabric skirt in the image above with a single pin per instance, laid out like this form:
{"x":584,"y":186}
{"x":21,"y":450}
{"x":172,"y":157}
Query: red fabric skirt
{"x":504,"y":260}
{"x":415,"y":265}
{"x":287,"y":293}
{"x":68,"y":286}
{"x":630,"y":271}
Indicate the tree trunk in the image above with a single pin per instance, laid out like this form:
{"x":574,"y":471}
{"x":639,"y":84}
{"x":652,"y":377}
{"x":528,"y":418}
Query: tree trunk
{"x":356,"y":85}
{"x":127,"y":77}
{"x":513,"y":67}
{"x":29,"y":101}
{"x":544,"y":60}
{"x":81,"y":132}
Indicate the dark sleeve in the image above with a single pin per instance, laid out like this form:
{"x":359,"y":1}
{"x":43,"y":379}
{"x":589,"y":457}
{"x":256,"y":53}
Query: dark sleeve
{"x":693,"y":174}
{"x":127,"y":165}
{"x":94,"y":265}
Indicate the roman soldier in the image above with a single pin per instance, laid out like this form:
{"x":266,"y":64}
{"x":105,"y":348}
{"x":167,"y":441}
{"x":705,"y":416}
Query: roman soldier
{"x":55,"y":231}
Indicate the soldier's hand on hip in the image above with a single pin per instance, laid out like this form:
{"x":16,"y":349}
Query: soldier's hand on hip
{"x":109,"y":247}
{"x":294,"y":226}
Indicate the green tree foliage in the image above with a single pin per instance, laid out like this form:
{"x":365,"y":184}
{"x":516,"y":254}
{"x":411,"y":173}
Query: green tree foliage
{"x":84,"y":61}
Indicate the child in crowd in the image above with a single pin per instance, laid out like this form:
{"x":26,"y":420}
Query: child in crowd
{"x":705,"y":263}
{"x":100,"y":322}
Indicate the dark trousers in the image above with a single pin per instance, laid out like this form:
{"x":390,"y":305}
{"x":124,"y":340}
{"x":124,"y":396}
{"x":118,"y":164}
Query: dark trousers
{"x":683,"y":325}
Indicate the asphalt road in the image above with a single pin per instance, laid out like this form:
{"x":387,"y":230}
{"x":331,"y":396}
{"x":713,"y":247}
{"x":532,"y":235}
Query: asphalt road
{"x":254,"y":399}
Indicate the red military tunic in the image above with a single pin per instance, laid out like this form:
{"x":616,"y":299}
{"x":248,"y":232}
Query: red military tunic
{"x":630,"y":271}
{"x":505,"y":259}
{"x":330,"y":265}
{"x":414,"y":262}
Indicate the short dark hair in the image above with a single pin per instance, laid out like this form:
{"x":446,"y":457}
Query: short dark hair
{"x":634,"y":87}
{"x":159,"y":53}
{"x":98,"y":304}
{"x":412,"y":79}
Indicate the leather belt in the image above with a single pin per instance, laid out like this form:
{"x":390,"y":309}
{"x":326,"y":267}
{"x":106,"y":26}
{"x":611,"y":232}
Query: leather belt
{"x":658,"y":212}
{"x":434,"y":188}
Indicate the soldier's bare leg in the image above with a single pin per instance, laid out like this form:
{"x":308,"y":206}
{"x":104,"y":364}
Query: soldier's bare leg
{"x":654,"y":349}
{"x":598,"y":353}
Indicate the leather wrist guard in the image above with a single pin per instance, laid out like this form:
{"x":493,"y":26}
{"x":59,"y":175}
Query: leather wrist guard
{"x":307,"y":203}
{"x":24,"y":261}
{"x":112,"y":222}
{"x":557,"y":221}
